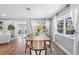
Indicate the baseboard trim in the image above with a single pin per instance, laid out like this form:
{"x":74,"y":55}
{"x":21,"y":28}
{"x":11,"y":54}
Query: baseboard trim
{"x":61,"y":48}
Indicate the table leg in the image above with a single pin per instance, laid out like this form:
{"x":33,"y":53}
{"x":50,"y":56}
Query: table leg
{"x":50,"y":46}
{"x":26,"y":46}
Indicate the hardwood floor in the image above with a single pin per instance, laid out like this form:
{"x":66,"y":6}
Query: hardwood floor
{"x":58,"y":49}
{"x":8,"y":48}
{"x":17,"y":47}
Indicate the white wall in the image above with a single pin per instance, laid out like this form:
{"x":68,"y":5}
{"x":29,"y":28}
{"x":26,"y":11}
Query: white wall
{"x":64,"y":42}
{"x":75,"y":10}
{"x":42,"y":21}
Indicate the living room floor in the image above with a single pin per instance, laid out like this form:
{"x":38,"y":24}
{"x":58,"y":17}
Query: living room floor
{"x":17,"y":47}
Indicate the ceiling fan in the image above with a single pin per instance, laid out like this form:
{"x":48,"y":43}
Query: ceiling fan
{"x":28,"y":9}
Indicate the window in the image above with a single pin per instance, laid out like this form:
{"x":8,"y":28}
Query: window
{"x":60,"y":26}
{"x":69,"y":26}
{"x":65,"y":25}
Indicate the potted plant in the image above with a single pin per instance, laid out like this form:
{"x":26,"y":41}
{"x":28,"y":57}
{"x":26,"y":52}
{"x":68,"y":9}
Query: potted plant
{"x":1,"y":22}
{"x":1,"y":27}
{"x":11,"y":28}
{"x":38,"y":29}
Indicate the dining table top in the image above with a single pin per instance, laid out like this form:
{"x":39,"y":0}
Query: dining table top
{"x":39,"y":37}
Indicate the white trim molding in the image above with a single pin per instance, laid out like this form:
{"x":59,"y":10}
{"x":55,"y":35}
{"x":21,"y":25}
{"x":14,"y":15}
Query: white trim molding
{"x":64,"y":49}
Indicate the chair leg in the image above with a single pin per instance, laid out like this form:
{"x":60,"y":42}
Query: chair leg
{"x":36,"y":52}
{"x":50,"y":49}
{"x":25,"y":49}
{"x":26,"y":46}
{"x":46,"y":52}
{"x":30,"y":52}
{"x":40,"y":52}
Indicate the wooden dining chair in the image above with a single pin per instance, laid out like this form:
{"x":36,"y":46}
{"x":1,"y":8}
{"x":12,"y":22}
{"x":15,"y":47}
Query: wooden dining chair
{"x":38,"y":46}
{"x":27,"y":45}
{"x":48,"y":43}
{"x":28,"y":42}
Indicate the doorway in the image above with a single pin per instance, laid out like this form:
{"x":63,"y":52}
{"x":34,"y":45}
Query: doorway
{"x":22,"y":30}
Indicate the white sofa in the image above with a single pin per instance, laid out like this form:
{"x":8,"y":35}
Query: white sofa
{"x":4,"y":37}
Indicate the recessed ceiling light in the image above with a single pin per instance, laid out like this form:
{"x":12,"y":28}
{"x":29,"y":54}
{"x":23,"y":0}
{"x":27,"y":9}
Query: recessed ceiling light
{"x":3,"y":14}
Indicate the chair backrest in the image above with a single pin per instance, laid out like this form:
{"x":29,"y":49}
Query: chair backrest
{"x":38,"y":44}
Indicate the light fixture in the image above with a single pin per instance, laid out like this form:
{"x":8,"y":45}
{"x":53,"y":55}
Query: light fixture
{"x":3,"y":14}
{"x":28,"y":9}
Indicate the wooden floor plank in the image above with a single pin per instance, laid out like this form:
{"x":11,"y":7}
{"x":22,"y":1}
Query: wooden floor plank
{"x":17,"y":47}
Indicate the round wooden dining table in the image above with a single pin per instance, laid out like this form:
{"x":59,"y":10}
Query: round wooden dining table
{"x":38,"y":43}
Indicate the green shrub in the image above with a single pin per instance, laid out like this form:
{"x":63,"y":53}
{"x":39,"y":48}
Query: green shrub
{"x":1,"y":27}
{"x":11,"y":27}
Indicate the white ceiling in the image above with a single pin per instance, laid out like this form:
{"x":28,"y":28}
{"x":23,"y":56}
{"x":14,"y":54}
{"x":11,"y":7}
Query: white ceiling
{"x":19,"y":10}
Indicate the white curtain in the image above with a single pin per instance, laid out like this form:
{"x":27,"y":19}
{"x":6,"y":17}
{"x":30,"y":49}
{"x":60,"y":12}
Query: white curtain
{"x":32,"y":22}
{"x":29,"y":27}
